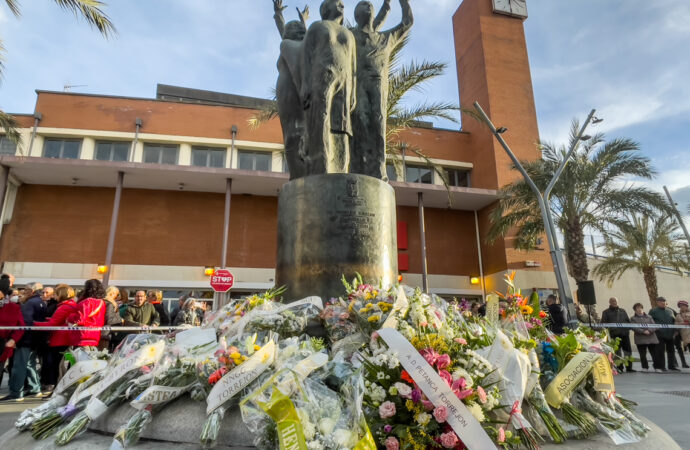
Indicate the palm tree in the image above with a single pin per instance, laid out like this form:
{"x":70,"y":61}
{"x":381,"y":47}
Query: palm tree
{"x":590,"y":193}
{"x":642,"y":242}
{"x":89,"y":10}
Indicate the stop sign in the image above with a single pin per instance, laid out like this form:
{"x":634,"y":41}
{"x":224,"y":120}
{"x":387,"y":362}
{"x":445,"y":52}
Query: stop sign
{"x":221,"y":280}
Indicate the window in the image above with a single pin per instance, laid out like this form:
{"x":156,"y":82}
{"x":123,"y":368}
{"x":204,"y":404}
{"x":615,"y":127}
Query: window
{"x":208,"y":157}
{"x":391,"y":173}
{"x":61,"y":148}
{"x":160,"y":153}
{"x":7,"y":147}
{"x":254,"y":160}
{"x":458,"y":177}
{"x":112,"y":151}
{"x":418,"y":174}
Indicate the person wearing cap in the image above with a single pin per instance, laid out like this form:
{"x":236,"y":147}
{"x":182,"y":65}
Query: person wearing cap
{"x":663,"y":315}
{"x":682,"y":339}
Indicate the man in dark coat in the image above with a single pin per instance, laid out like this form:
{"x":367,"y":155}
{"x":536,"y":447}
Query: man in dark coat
{"x":557,"y":313}
{"x":661,"y":314}
{"x":615,"y":314}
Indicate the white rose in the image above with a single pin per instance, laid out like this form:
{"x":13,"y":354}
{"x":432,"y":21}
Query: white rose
{"x":403,"y":389}
{"x":344,"y":438}
{"x":423,"y":418}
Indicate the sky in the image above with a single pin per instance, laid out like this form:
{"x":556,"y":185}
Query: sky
{"x":629,"y":59}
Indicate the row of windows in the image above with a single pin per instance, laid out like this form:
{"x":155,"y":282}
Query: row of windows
{"x":155,"y":153}
{"x":211,"y":157}
{"x":424,"y":175}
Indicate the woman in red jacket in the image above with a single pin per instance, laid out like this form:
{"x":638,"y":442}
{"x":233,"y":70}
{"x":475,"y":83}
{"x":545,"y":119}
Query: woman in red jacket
{"x":90,"y":313}
{"x":60,"y":340}
{"x":10,"y":316}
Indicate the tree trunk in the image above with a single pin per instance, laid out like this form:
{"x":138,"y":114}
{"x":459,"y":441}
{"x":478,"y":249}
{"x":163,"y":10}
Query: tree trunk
{"x":575,"y":251}
{"x":649,"y":274}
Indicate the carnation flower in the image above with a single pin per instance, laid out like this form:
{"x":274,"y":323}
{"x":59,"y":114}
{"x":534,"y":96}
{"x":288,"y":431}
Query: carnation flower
{"x":386,"y":410}
{"x":460,"y":341}
{"x":482,"y":394}
{"x":443,"y":361}
{"x":449,"y":440}
{"x":392,"y":443}
{"x":501,"y":435}
{"x":440,"y":414}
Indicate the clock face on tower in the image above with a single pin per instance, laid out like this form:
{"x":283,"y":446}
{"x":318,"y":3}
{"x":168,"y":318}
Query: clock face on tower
{"x":515,"y":8}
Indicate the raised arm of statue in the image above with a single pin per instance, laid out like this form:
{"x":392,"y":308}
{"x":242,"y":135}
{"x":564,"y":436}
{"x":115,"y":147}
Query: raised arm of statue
{"x":405,"y":24}
{"x":381,"y":16}
{"x":278,"y":16}
{"x":303,"y":15}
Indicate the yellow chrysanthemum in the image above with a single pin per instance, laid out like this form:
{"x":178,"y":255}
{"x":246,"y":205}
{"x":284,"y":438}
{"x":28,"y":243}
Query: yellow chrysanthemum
{"x":374,"y":318}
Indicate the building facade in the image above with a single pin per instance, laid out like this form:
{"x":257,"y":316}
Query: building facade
{"x":175,"y":153}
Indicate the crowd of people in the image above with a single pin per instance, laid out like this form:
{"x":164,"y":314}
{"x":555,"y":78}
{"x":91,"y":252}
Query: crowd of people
{"x":34,"y":359}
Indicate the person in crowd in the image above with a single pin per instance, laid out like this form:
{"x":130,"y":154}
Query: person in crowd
{"x":25,"y":356}
{"x":557,"y":314}
{"x":6,"y":284}
{"x":90,"y":313}
{"x":156,"y":299}
{"x":141,"y":312}
{"x":682,"y":339}
{"x":179,"y":307}
{"x":663,"y":315}
{"x":616,"y":314}
{"x":48,"y":296}
{"x":191,"y":313}
{"x":10,"y":316}
{"x":474,"y":309}
{"x":584,"y":316}
{"x":60,"y":340}
{"x":645,"y":339}
{"x":112,"y":317}
{"x":123,"y":302}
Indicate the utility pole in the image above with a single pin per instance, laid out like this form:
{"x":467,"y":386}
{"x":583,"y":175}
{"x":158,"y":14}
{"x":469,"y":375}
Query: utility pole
{"x":557,"y":259}
{"x":679,"y":218}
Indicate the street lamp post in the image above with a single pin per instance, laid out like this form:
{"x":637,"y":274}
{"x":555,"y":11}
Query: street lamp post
{"x":543,"y":201}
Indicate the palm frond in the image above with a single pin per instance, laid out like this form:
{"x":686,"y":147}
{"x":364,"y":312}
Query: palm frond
{"x":10,"y":125}
{"x":13,"y":5}
{"x":265,"y":114}
{"x":411,"y":77}
{"x":92,"y":12}
{"x":2,"y":59}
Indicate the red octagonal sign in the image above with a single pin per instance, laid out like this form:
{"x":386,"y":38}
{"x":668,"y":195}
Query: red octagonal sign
{"x":221,"y":280}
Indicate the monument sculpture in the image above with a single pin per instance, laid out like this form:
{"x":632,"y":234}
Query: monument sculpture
{"x":328,"y":66}
{"x":336,"y":216}
{"x":368,"y":152}
{"x":288,"y":101}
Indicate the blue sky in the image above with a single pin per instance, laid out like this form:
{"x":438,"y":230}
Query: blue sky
{"x":629,"y":59}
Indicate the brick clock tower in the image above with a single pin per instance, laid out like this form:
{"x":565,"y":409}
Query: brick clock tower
{"x":493,"y":69}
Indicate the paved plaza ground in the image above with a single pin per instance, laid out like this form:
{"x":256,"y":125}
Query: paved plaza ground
{"x":663,"y":398}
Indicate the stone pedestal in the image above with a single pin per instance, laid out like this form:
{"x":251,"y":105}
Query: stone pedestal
{"x":334,"y":225}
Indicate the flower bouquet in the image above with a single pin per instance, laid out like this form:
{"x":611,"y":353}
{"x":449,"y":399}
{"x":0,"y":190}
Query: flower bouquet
{"x":236,"y":309}
{"x":225,"y":372}
{"x":172,"y":376}
{"x":86,"y":365}
{"x":142,"y":352}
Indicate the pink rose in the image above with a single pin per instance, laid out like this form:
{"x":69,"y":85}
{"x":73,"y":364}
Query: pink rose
{"x":449,"y":440}
{"x":386,"y":410}
{"x":430,"y":355}
{"x":482,"y":394}
{"x":501,"y":435}
{"x":446,"y":376}
{"x":427,"y":405}
{"x":443,"y":361}
{"x":392,"y":443}
{"x":441,"y":414}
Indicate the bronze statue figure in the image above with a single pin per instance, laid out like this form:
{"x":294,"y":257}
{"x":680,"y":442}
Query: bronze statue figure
{"x":368,"y":153}
{"x":328,"y":91}
{"x":288,"y":101}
